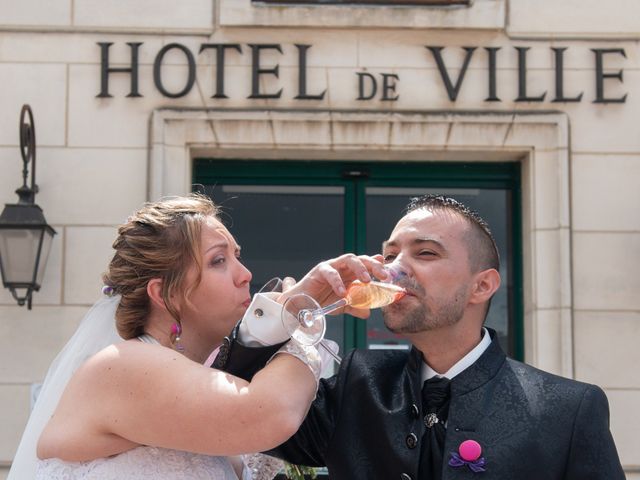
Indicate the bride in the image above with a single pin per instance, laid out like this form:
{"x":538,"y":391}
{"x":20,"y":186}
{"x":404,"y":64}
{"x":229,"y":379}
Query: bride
{"x":147,"y":406}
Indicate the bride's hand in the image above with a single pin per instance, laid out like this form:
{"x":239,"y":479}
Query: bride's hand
{"x":327,"y":281}
{"x":287,"y":283}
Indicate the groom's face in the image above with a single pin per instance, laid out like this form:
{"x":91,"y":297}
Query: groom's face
{"x":430,"y":247}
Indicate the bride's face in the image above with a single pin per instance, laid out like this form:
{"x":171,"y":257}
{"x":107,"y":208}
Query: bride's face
{"x":219,"y":301}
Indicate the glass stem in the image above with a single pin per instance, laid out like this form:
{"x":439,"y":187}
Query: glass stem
{"x":343,"y":302}
{"x":330,"y":352}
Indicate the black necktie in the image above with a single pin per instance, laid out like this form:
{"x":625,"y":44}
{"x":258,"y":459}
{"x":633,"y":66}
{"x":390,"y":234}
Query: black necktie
{"x":435,"y":408}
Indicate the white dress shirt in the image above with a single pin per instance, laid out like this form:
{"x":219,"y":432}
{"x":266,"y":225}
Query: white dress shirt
{"x":462,"y":364}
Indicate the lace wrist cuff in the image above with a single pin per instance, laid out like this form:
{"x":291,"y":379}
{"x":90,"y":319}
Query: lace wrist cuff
{"x":258,"y":466}
{"x":306,"y":354}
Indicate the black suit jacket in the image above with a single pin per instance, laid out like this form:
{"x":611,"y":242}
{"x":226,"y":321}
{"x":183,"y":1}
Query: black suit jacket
{"x":366,"y":421}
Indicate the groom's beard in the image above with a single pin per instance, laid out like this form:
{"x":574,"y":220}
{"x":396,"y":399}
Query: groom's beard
{"x":415,"y":317}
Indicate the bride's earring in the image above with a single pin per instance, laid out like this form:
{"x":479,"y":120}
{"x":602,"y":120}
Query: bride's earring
{"x":176,"y":332}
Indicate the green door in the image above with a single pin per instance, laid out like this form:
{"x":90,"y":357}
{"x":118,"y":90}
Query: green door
{"x":288,"y":216}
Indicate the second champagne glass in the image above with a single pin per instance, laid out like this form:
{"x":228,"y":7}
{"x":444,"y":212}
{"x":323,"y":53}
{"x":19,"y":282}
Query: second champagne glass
{"x":307,"y":334}
{"x":304,"y":319}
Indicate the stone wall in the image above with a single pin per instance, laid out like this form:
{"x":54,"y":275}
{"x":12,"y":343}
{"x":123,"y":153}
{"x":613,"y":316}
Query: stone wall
{"x":100,"y":158}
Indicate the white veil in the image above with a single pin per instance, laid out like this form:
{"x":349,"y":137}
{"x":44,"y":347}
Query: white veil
{"x":96,"y":331}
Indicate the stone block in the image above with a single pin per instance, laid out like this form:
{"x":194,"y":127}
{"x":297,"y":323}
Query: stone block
{"x":477,"y":134}
{"x":87,"y":252}
{"x":361,"y":133}
{"x":14,"y":413}
{"x":555,"y":342}
{"x":589,"y":18}
{"x":181,"y":132}
{"x":625,"y":425}
{"x":54,"y":47}
{"x":419,"y":134}
{"x":605,"y":192}
{"x":11,"y":168}
{"x":615,"y":332}
{"x":177,"y":171}
{"x":144,"y":14}
{"x":47,"y":329}
{"x":43,"y":87}
{"x":605,"y":273}
{"x":292,"y":131}
{"x":107,"y":184}
{"x":552,"y":281}
{"x":35,"y":13}
{"x":548,"y":343}
{"x":551,"y":189}
{"x":243,"y":132}
{"x":544,"y":136}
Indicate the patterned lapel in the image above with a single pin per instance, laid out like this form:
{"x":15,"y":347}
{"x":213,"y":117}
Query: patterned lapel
{"x":471,"y":402}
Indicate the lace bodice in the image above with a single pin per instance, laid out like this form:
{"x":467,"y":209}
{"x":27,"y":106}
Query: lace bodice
{"x":157,"y":464}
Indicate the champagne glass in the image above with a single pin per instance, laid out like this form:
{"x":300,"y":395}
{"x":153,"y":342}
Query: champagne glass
{"x":304,"y":319}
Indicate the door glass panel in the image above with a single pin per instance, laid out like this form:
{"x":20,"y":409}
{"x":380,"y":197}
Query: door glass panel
{"x":289,"y":216}
{"x":385,"y":206}
{"x":284,"y":230}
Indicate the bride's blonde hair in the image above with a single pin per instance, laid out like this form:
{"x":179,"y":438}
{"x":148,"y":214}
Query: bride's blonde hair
{"x":161,"y":240}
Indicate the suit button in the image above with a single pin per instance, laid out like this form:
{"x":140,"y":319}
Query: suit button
{"x":415,"y":411}
{"x":404,"y":476}
{"x":411,"y":440}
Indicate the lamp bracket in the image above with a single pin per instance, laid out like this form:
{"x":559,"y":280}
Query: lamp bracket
{"x":26,"y":193}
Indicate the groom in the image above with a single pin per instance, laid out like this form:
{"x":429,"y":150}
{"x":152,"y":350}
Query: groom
{"x":454,"y":407}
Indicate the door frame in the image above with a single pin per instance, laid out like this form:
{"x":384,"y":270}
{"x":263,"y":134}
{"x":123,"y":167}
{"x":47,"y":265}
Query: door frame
{"x":539,"y":141}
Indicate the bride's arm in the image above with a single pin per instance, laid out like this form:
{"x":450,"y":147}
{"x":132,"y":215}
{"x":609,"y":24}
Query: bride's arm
{"x":135,"y":393}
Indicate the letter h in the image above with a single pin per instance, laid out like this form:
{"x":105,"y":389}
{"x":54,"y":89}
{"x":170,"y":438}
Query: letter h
{"x":106,"y":70}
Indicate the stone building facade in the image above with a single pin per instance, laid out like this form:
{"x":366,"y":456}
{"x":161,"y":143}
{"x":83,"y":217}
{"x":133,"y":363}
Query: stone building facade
{"x":127,"y":95}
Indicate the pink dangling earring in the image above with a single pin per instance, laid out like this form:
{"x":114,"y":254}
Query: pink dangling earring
{"x":176,"y":331}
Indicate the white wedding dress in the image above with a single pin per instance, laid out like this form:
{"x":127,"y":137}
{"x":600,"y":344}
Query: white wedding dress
{"x":158,"y":464}
{"x":141,"y":462}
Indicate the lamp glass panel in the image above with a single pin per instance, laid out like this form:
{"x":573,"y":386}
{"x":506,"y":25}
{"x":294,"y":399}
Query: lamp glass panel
{"x":19,"y":250}
{"x":47,"y":240}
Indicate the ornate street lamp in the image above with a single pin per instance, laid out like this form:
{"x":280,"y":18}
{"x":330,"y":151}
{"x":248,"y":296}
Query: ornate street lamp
{"x":25,"y":237}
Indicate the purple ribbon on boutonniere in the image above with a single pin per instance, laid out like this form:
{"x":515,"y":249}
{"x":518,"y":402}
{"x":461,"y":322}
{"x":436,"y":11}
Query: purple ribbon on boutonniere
{"x":476,"y":466}
{"x":469,"y":454}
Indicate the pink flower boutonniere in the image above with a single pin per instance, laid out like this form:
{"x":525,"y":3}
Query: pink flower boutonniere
{"x":468,"y":454}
